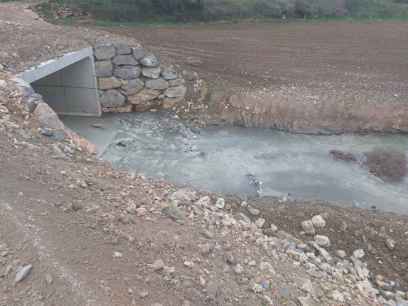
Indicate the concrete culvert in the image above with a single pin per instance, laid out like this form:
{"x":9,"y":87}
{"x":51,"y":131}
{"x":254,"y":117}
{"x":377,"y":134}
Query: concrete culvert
{"x":67,"y":84}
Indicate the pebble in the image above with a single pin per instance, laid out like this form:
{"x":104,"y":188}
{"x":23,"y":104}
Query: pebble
{"x":390,"y":243}
{"x":322,"y":240}
{"x":274,"y":228}
{"x":308,"y":227}
{"x":341,"y":253}
{"x":230,"y":259}
{"x":220,"y":203}
{"x":359,"y":253}
{"x":141,"y":211}
{"x":238,"y":269}
{"x":158,"y":265}
{"x":22,"y":273}
{"x":318,"y":221}
{"x":253,"y":211}
{"x":48,"y":279}
{"x":117,"y":255}
{"x":143,"y":293}
{"x":260,"y":222}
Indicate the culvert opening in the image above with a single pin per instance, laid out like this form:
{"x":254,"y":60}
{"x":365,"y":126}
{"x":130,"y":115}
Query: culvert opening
{"x":68,"y":83}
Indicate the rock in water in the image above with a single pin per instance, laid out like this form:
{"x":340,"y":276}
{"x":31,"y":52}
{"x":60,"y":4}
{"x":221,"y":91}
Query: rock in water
{"x":390,"y":166}
{"x":22,"y":273}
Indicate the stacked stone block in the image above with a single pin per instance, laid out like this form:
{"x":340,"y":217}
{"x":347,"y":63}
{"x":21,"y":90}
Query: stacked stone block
{"x":132,"y":79}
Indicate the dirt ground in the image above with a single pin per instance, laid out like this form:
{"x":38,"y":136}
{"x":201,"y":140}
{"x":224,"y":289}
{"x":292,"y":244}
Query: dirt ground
{"x":304,"y":76}
{"x":94,"y":235}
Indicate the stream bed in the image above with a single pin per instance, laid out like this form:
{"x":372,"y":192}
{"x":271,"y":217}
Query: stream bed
{"x":244,"y":161}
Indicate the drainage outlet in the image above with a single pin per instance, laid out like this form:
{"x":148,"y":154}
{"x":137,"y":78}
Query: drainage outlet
{"x":67,"y":84}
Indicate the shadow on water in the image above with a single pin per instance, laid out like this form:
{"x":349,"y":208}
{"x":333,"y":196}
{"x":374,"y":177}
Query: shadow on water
{"x":246,"y":162}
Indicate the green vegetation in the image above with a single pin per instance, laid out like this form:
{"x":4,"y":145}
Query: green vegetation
{"x":211,"y":10}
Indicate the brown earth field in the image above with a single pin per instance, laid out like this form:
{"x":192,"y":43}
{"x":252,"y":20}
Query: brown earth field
{"x":317,"y":77}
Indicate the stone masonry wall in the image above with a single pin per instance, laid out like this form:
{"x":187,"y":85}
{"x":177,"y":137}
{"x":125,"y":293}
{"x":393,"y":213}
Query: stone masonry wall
{"x":132,"y":79}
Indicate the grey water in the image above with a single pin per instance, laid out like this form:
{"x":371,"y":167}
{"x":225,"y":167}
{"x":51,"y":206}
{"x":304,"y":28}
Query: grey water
{"x":245,"y":161}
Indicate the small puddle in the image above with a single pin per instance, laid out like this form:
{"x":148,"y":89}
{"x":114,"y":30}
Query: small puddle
{"x":244,"y":161}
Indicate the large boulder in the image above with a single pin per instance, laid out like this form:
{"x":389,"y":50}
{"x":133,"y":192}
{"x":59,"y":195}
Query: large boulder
{"x":47,"y":118}
{"x":150,"y":60}
{"x":125,"y":60}
{"x":158,"y":84}
{"x":109,"y":83}
{"x":104,"y":52}
{"x":138,"y":53}
{"x":103,"y":69}
{"x":176,"y":92}
{"x":132,"y":87}
{"x":111,"y":98}
{"x":123,"y":49}
{"x":127,"y":72}
{"x":169,"y":73}
{"x":151,"y":73}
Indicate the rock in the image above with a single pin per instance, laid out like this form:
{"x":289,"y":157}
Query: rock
{"x":132,"y":87}
{"x":344,"y":156}
{"x":260,"y":222}
{"x":104,"y":52}
{"x":158,"y":84}
{"x":151,"y":73}
{"x":338,"y":296}
{"x":322,"y":251}
{"x":273,"y":228}
{"x":184,"y":196}
{"x":358,"y":253}
{"x":117,"y":255}
{"x":174,"y":213}
{"x":168,"y":103}
{"x":318,"y":221}
{"x":143,"y":293}
{"x":141,"y":211}
{"x":111,"y":98}
{"x":253,"y":211}
{"x":123,"y":49}
{"x":306,"y":301}
{"x":175,"y":92}
{"x":49,"y":279}
{"x":177,"y":82}
{"x":47,"y":118}
{"x":144,"y":96}
{"x":127,"y":72}
{"x":150,"y":60}
{"x":109,"y":83}
{"x":204,"y":201}
{"x":257,"y":288}
{"x":169,"y":73}
{"x":103,"y":69}
{"x":390,"y":166}
{"x":22,"y":273}
{"x":125,"y":60}
{"x":157,"y":265}
{"x":238,"y":269}
{"x":341,"y":254}
{"x":390,"y":243}
{"x":322,"y":240}
{"x":138,"y":52}
{"x":308,"y":227}
{"x":230,"y":259}
{"x":220,"y":203}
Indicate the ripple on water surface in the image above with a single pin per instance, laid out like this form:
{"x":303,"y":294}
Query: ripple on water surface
{"x":246,"y":161}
